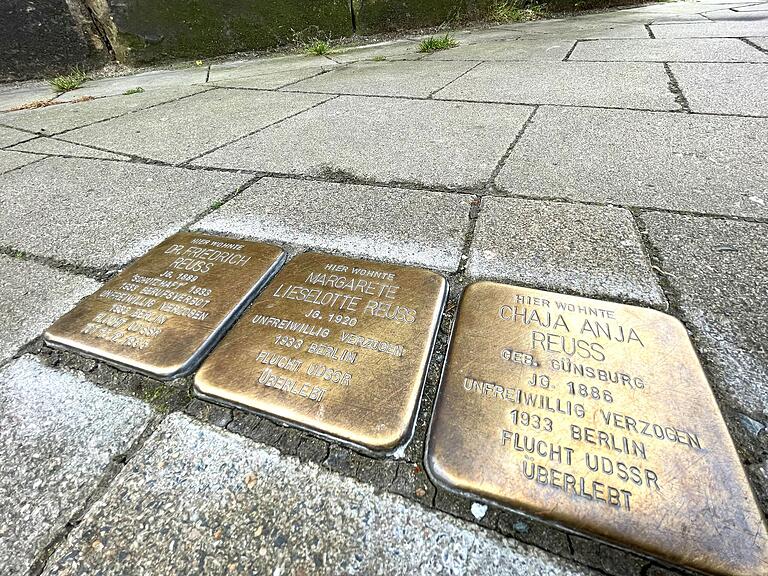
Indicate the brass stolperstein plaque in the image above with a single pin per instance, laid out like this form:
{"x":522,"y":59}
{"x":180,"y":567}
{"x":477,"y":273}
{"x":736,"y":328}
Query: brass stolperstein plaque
{"x":334,"y":345}
{"x":596,"y":417}
{"x":163,"y":313}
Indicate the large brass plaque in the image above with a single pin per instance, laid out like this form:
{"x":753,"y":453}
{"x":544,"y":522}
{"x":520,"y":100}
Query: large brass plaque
{"x":597,"y":417}
{"x":163,"y":313}
{"x":335,"y":345}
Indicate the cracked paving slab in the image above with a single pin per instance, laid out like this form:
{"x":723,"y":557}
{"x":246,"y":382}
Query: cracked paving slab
{"x":685,"y":162}
{"x":32,"y":296}
{"x":62,"y":117}
{"x":668,"y":50}
{"x":724,"y":88}
{"x":594,"y":251}
{"x":414,"y":79}
{"x":107,"y":213}
{"x":717,"y":267}
{"x":187,"y":128}
{"x":615,"y":84}
{"x":452,"y":144}
{"x":405,"y":226}
{"x":243,"y":508}
{"x":58,"y":436}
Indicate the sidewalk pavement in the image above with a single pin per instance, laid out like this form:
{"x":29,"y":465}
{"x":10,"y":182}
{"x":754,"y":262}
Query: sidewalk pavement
{"x":620,"y":155}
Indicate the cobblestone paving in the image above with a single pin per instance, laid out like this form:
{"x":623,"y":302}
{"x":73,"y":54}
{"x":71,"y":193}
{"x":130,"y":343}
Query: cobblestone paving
{"x":620,"y":155}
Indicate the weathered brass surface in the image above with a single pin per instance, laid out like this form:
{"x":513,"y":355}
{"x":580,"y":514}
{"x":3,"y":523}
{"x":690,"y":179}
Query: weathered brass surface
{"x":162,"y":314}
{"x":335,"y":345}
{"x":598,"y":417}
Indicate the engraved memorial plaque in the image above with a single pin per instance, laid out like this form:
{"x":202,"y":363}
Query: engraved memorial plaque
{"x":336,"y":345}
{"x":597,"y":417}
{"x":163,"y":313}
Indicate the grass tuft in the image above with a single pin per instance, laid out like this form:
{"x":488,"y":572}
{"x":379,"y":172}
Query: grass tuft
{"x":433,"y":44}
{"x":510,"y":11}
{"x":67,"y":82}
{"x":378,"y":58}
{"x":317,"y":48}
{"x":137,"y":90}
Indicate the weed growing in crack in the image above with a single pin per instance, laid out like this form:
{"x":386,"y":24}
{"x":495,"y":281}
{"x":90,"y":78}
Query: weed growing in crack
{"x":514,"y":11}
{"x":67,"y":82}
{"x":433,"y":44}
{"x":137,"y":90}
{"x":378,"y":58}
{"x":318,"y":48}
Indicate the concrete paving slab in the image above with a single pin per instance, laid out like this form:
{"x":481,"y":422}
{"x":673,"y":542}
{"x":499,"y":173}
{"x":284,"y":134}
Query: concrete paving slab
{"x":271,"y":65}
{"x":187,"y":128}
{"x":148,"y":81}
{"x":61,"y":117}
{"x":668,"y":50}
{"x":724,"y":88}
{"x":677,"y":18}
{"x":762,"y":42}
{"x":416,"y":79}
{"x":536,"y":48}
{"x":576,"y":29}
{"x":591,"y":250}
{"x":711,"y":30}
{"x":243,"y":508}
{"x":9,"y":136}
{"x":32,"y":296}
{"x":271,"y":81}
{"x":13,"y":95}
{"x":728,"y":15}
{"x":56,"y":147}
{"x":107,"y":213}
{"x":717,"y":267}
{"x":12,"y":160}
{"x":753,"y":8}
{"x":672,"y":161}
{"x":397,"y":50}
{"x":614,"y":84}
{"x":58,"y":436}
{"x":403,"y":226}
{"x":418,"y":141}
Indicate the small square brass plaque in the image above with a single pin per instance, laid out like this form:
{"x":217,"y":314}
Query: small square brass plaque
{"x":597,"y":417}
{"x":334,"y":345}
{"x":162,"y":314}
